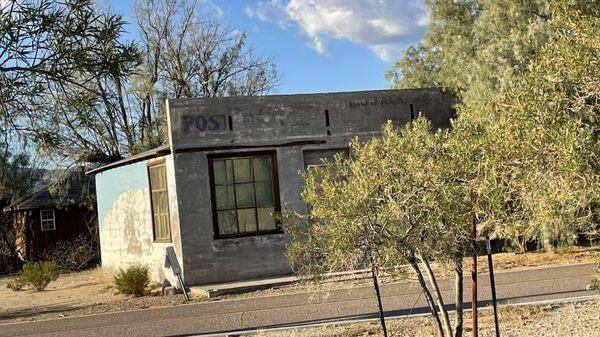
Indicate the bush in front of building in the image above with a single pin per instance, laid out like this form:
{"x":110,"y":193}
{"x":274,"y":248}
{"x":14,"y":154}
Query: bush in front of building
{"x":132,"y":281}
{"x":76,"y":254}
{"x":37,"y":275}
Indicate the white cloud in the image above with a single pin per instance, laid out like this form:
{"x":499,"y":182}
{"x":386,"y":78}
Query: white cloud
{"x":269,"y":11}
{"x":384,"y":26}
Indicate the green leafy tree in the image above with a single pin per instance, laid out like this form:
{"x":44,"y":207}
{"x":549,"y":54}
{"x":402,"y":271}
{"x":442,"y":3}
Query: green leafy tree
{"x":475,"y":47}
{"x":531,"y":153}
{"x":63,"y":69}
{"x":395,"y":203}
{"x":525,"y":138}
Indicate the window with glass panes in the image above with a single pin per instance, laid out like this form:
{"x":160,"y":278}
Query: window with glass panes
{"x":48,"y":220}
{"x":244,"y":194}
{"x":159,"y":201}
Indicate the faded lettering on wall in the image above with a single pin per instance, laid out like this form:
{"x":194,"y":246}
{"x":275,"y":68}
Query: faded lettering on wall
{"x":376,"y":101}
{"x":203,"y":123}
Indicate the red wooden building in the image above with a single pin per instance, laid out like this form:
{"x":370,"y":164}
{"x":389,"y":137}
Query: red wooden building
{"x":51,"y":215}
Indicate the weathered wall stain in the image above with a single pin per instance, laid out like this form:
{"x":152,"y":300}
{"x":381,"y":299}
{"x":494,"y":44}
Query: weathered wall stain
{"x":126,"y":237}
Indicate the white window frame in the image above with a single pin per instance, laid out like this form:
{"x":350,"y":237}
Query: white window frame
{"x":46,"y":223}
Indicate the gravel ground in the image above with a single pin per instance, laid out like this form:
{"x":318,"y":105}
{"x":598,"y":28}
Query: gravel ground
{"x":566,"y":320}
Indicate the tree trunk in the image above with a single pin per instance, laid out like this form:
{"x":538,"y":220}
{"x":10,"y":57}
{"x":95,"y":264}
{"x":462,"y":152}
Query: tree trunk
{"x":458,"y":293}
{"x":438,"y":295}
{"x":428,"y":297}
{"x":378,"y":294}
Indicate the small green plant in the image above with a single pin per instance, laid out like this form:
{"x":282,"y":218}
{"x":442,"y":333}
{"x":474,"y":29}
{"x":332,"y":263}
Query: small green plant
{"x":37,"y":275}
{"x":132,"y":281}
{"x":595,"y":284}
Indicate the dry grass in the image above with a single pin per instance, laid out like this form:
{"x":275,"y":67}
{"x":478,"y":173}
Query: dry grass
{"x":507,"y":261}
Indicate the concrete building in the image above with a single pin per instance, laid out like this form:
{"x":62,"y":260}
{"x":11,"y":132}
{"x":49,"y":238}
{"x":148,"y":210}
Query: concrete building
{"x":230,"y":165}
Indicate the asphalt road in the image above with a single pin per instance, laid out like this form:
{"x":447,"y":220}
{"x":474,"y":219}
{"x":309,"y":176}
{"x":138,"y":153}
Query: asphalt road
{"x":221,"y":316}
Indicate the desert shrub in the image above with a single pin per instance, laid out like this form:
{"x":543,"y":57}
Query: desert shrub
{"x":15,"y":285}
{"x":595,"y":284}
{"x":132,"y":281}
{"x":81,"y":252}
{"x":39,"y":274}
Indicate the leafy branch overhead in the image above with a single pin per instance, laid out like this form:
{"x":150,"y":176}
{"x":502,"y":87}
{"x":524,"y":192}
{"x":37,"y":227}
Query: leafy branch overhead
{"x":73,"y":85}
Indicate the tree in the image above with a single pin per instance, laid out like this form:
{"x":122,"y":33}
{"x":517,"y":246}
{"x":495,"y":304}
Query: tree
{"x":531,"y":154}
{"x":63,"y":72}
{"x":189,"y":54}
{"x":395,"y":203}
{"x":38,"y":44}
{"x":511,"y":116}
{"x":494,"y":39}
{"x":97,"y":98}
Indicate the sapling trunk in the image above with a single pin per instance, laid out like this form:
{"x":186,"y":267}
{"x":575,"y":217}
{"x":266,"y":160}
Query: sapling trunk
{"x":458,"y":296}
{"x":428,"y":297}
{"x":438,"y":295}
{"x":378,"y":294}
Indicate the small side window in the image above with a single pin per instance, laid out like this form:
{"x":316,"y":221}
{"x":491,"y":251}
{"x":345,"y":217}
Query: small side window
{"x":159,"y":199}
{"x":48,"y":220}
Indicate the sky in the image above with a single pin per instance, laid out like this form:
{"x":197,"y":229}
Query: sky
{"x":322,"y":45}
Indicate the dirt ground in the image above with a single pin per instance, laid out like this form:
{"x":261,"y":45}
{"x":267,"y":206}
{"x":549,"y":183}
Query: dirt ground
{"x":75,"y":294}
{"x":89,"y":292}
{"x":573,"y":320}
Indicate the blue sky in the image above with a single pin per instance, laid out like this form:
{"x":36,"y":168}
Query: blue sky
{"x":322,"y":45}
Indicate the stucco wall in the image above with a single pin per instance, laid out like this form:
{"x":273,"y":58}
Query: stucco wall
{"x":125,"y":219}
{"x":208,"y":260}
{"x":289,"y":124}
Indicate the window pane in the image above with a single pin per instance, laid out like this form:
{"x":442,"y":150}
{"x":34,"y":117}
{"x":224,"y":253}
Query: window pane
{"x":157,"y":227}
{"x":47,"y":214}
{"x":262,"y":169}
{"x":266,"y":219}
{"x":223,"y":170}
{"x":156,"y":202}
{"x":264,"y":194}
{"x":159,"y":202}
{"x":247,"y":220}
{"x":244,"y":194}
{"x":164,"y":202}
{"x":164,"y":226}
{"x":157,"y":177}
{"x":242,"y":171}
{"x":153,"y":178}
{"x":227,"y":222}
{"x":225,"y":197}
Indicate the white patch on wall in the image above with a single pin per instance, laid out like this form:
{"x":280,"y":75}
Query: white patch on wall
{"x":127,"y":237}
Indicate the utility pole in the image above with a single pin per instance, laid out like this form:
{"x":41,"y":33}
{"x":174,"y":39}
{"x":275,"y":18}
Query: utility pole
{"x":493,"y":285}
{"x":474,"y":274}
